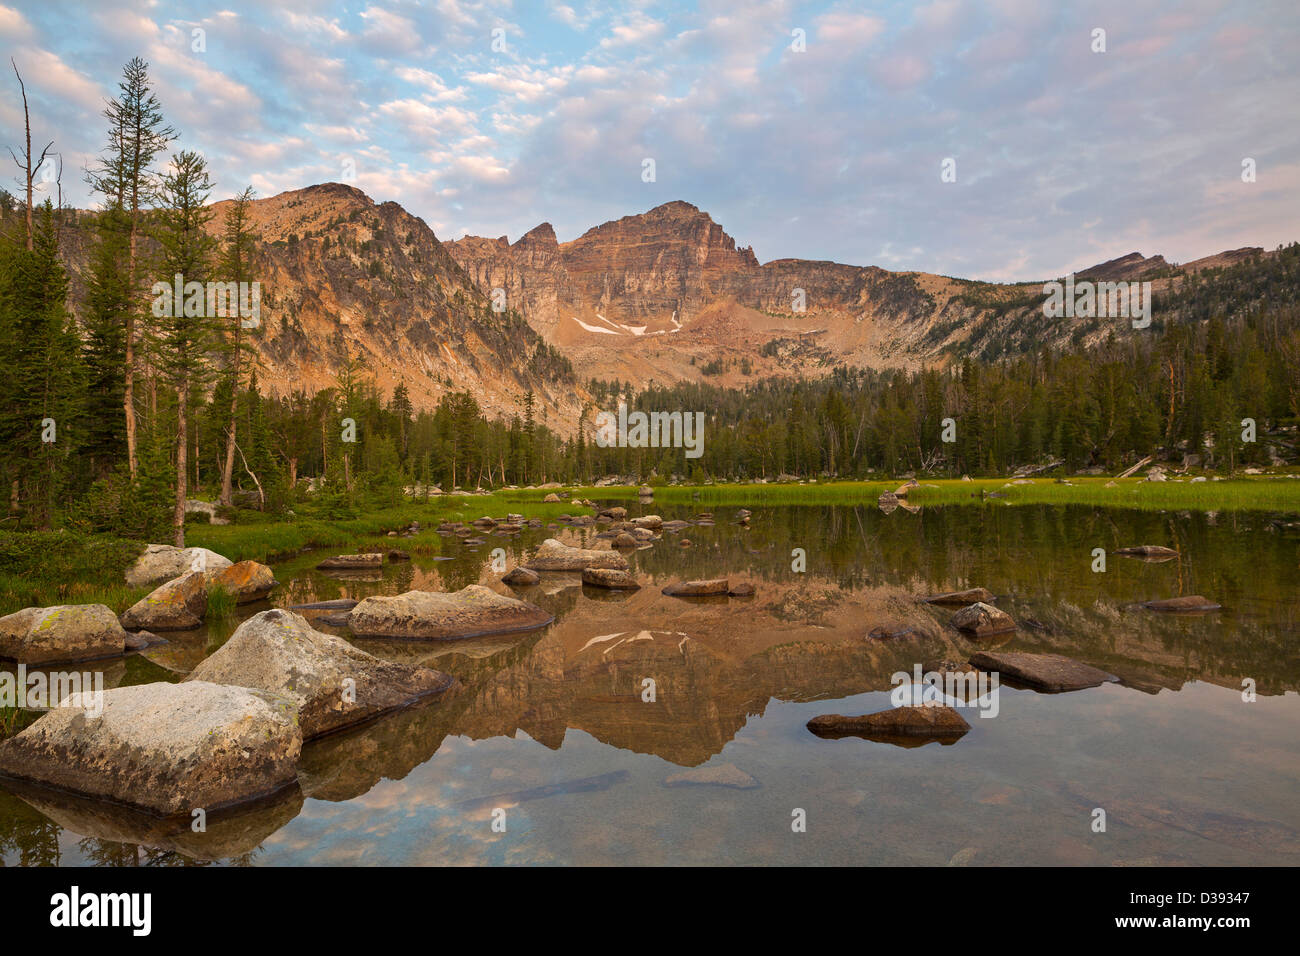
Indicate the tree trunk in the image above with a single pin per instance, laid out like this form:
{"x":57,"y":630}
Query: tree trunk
{"x":228,"y":470}
{"x":182,"y":449}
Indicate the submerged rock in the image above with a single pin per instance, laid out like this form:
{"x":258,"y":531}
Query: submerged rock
{"x":341,"y":604}
{"x":928,"y":722}
{"x":163,"y":562}
{"x":697,"y":588}
{"x":143,"y":640}
{"x":891,"y":631}
{"x":333,"y":684}
{"x":350,"y":562}
{"x":61,"y":634}
{"x":741,"y":589}
{"x":609,"y":578}
{"x":625,"y":539}
{"x":714,"y":775}
{"x":983,"y":620}
{"x":521,"y":578}
{"x":166,"y":748}
{"x":1049,"y":672}
{"x":556,"y":556}
{"x":962,"y":598}
{"x":178,"y":605}
{"x":1188,"y":603}
{"x":436,"y":616}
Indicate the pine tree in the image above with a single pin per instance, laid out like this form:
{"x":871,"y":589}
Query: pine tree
{"x":184,"y":331}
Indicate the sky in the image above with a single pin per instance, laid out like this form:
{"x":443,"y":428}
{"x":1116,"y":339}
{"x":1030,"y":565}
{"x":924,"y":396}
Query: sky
{"x":816,"y":130}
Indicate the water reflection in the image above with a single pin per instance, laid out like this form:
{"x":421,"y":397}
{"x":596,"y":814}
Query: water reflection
{"x":734,"y":680}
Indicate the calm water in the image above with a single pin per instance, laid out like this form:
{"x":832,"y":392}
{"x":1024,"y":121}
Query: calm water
{"x":550,"y":726}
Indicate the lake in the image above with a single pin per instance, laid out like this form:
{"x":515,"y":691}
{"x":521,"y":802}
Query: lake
{"x":551,"y":737}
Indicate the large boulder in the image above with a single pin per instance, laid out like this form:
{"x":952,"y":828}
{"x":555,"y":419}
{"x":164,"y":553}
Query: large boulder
{"x":922,"y":721}
{"x":54,"y":635}
{"x":246,"y":581}
{"x":178,"y":605}
{"x":334,"y":684}
{"x":165,"y":748}
{"x":983,"y":620}
{"x":437,"y":616}
{"x":1049,"y":672}
{"x":553,"y":555}
{"x":552,"y":499}
{"x":962,"y":598}
{"x":163,"y":562}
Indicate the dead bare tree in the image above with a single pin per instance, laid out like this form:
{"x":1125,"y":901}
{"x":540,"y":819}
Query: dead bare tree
{"x":25,"y":165}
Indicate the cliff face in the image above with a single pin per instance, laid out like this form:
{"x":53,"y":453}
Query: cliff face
{"x":343,"y":276}
{"x":667,"y":296}
{"x":663,"y":295}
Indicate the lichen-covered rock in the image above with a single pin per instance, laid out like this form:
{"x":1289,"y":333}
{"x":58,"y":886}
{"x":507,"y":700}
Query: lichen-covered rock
{"x":67,"y":632}
{"x":553,"y":555}
{"x":178,"y":605}
{"x":166,"y":748}
{"x":163,"y":562}
{"x":246,"y":581}
{"x":436,"y":616}
{"x":334,"y":684}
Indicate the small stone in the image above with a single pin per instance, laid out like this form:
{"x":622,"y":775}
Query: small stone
{"x":706,"y":588}
{"x":609,"y":578}
{"x":916,"y":720}
{"x":983,"y":620}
